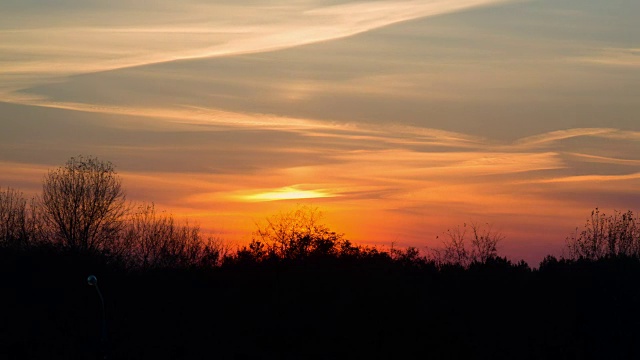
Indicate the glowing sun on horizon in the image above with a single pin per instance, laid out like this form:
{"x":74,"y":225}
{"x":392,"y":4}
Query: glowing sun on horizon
{"x":287,"y":193}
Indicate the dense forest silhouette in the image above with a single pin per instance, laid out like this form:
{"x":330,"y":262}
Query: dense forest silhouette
{"x":298,"y":290}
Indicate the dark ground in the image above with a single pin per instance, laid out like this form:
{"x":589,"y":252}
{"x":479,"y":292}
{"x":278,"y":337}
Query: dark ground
{"x":325,"y":308}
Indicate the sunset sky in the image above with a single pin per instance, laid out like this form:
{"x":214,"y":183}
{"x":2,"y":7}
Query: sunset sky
{"x":398,"y":119}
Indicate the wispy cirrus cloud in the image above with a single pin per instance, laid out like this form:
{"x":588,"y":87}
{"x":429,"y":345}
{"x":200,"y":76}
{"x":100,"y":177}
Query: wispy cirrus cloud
{"x":554,"y":136}
{"x":397,"y":133}
{"x":591,"y":178}
{"x":119,"y":39}
{"x":603,"y":159}
{"x":621,"y":57}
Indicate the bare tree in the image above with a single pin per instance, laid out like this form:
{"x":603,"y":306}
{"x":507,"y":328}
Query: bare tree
{"x":296,"y":234}
{"x":606,"y":235}
{"x":17,"y":221}
{"x":153,"y":239}
{"x":83,"y":203}
{"x":454,"y":250}
{"x":484,"y":244}
{"x":457,"y":251}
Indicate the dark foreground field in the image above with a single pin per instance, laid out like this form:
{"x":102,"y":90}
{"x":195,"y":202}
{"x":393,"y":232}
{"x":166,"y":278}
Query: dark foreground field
{"x":326,"y":308}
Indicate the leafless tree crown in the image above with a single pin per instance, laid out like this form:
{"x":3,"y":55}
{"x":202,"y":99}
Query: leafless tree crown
{"x":606,"y":235}
{"x":84,"y":203}
{"x":17,"y":219}
{"x":456,"y":249}
{"x":296,"y":234}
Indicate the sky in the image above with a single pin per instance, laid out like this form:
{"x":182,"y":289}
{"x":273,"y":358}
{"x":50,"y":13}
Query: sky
{"x":398,"y":119}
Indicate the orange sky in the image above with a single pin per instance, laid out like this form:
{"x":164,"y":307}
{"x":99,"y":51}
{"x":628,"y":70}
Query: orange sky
{"x":398,"y":119}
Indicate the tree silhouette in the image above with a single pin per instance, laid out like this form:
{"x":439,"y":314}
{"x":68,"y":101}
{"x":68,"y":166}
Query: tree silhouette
{"x":17,"y":220}
{"x":83,"y":203}
{"x":606,"y":235}
{"x":456,"y":249}
{"x":156,"y":240}
{"x":295,"y":234}
{"x":305,"y":292}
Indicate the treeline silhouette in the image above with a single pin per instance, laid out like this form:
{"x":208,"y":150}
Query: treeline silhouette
{"x":298,"y":290}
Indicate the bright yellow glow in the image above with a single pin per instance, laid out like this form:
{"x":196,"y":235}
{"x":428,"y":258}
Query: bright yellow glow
{"x":287,"y":193}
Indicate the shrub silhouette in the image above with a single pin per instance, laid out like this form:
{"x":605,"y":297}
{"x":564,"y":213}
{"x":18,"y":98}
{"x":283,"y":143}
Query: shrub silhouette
{"x":297,"y":234}
{"x":156,"y":240}
{"x":83,"y":209}
{"x":300,"y":290}
{"x":17,"y":219}
{"x":458,"y":251}
{"x":606,"y":236}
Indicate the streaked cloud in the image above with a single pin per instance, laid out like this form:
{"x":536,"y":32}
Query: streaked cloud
{"x":623,"y":57}
{"x":553,"y":136}
{"x":604,"y":159}
{"x":518,"y":113}
{"x":592,"y":178}
{"x":52,"y":48}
